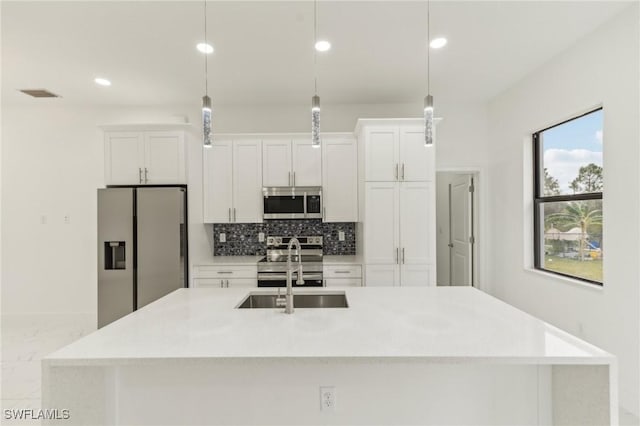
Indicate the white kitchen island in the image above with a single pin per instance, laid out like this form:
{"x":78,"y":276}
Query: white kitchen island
{"x":396,"y":356}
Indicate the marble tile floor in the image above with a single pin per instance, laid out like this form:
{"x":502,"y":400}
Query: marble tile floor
{"x":27,"y":338}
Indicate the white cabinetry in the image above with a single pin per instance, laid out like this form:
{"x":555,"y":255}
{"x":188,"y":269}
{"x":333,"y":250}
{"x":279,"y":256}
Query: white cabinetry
{"x":339,"y":179}
{"x":225,"y":276}
{"x":342,"y":275}
{"x":144,"y":157}
{"x":399,"y":204}
{"x":288,"y":162}
{"x":232,"y":181}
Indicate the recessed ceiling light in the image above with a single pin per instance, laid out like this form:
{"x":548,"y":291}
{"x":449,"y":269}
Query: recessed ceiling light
{"x":205,"y":48}
{"x":323,"y":45}
{"x":102,"y":81}
{"x":439,"y":42}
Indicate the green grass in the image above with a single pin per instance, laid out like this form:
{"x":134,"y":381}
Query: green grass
{"x":588,"y":269}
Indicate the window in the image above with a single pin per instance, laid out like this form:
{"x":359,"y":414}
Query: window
{"x":567,"y":201}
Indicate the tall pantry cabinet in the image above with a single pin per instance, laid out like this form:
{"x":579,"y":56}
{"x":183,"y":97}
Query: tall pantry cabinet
{"x":397,"y":203}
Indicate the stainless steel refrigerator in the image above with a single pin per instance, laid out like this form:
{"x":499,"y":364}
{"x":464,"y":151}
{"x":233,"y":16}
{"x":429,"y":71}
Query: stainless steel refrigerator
{"x":142,"y":247}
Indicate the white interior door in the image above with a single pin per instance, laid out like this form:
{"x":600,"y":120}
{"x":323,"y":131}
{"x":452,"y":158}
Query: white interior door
{"x":307,"y":164}
{"x":217,"y":182}
{"x":460,"y":230}
{"x":276,"y":163}
{"x":247,"y":182}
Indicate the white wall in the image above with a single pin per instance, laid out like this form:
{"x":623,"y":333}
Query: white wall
{"x":53,"y":162}
{"x":600,"y":69}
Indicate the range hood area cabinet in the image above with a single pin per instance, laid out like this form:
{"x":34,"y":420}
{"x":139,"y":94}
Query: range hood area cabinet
{"x":397,"y":202}
{"x":232,"y":181}
{"x":291,"y":162}
{"x":339,"y":179}
{"x":144,"y":157}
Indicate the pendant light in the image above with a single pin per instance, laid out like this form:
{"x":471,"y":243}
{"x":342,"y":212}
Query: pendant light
{"x":428,"y":100}
{"x":315,"y":100}
{"x":207,"y":111}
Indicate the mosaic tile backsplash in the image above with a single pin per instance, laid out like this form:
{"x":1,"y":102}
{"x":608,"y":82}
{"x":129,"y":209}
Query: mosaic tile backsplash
{"x":242,"y":238}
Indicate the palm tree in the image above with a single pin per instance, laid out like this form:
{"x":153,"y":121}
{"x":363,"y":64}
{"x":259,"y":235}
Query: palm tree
{"x":578,"y":214}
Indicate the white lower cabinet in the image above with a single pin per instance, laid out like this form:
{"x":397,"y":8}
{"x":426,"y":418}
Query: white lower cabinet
{"x":382,"y":275}
{"x":342,"y":275}
{"x":225,"y":276}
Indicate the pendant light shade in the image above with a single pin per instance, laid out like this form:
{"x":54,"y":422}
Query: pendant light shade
{"x":207,"y":124}
{"x":315,"y":121}
{"x":428,"y":120}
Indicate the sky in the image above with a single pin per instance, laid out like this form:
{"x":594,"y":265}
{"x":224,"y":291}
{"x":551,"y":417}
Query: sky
{"x":571,"y":145}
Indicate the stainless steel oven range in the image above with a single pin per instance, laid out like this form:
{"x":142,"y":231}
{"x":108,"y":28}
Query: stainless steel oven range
{"x":272,"y":269}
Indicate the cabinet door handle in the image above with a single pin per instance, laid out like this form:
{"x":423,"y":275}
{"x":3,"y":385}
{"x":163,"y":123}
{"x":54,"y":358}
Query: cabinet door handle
{"x":289,"y":179}
{"x":294,"y":178}
{"x":227,"y":283}
{"x":396,"y":261}
{"x":229,"y":214}
{"x":342,"y":272}
{"x":225,"y":272}
{"x":396,"y":171}
{"x":324,"y":213}
{"x":234,"y":214}
{"x":402,"y":171}
{"x":145,"y":175}
{"x":139,"y":174}
{"x":222,"y":283}
{"x":403,"y":255}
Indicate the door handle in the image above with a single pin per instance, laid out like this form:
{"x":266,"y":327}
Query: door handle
{"x":289,"y":179}
{"x":145,"y":175}
{"x":450,"y":245}
{"x":229,"y":214}
{"x":234,"y":214}
{"x":294,"y":178}
{"x":222,"y":283}
{"x":402,"y":171}
{"x":139,"y":174}
{"x":396,"y":171}
{"x":403,"y":255}
{"x":227,"y":283}
{"x":397,"y":255}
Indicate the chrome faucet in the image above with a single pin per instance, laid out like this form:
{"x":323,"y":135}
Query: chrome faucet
{"x":289,"y":297}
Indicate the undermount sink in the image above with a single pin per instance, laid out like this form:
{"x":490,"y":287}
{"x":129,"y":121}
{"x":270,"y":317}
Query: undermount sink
{"x":301,"y":300}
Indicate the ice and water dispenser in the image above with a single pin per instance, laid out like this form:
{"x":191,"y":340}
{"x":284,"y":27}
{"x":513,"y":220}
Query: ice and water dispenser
{"x":114,"y":255}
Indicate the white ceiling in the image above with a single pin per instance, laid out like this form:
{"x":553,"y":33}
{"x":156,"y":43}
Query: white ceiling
{"x":264,"y":49}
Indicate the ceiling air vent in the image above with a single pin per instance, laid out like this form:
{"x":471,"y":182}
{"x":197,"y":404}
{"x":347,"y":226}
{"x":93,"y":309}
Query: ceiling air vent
{"x":39,"y":93}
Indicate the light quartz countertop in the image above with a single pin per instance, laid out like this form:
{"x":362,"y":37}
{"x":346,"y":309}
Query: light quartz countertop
{"x":452,"y":324}
{"x":227,"y":260}
{"x":341,"y":260}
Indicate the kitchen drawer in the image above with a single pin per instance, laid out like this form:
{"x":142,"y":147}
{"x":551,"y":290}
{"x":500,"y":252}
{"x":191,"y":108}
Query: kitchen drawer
{"x":343,"y":282}
{"x":208,"y":283}
{"x":225,"y":272}
{"x":342,"y":271}
{"x":225,"y":283}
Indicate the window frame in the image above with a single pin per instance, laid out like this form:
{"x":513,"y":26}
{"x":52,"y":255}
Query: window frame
{"x":539,"y":199}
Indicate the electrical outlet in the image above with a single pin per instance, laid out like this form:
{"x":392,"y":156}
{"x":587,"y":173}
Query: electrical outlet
{"x":67,"y":219}
{"x":261,"y":237}
{"x":327,"y":398}
{"x":341,"y":235}
{"x":223,"y":237}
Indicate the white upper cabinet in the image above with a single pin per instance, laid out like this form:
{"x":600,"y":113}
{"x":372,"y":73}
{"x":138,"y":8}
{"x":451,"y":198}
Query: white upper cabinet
{"x":398,"y":154}
{"x":144,"y":157}
{"x":417,"y":161}
{"x":381,"y":160}
{"x":124,"y":158}
{"x":339,"y":180}
{"x":247,"y":181}
{"x":291,"y":163}
{"x":306,"y":163}
{"x":164,"y":158}
{"x":218,"y":182}
{"x":232,"y":182}
{"x":276,"y":163}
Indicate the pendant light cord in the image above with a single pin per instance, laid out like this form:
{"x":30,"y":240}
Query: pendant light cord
{"x":315,"y":40}
{"x":428,"y":48}
{"x":206,"y":55}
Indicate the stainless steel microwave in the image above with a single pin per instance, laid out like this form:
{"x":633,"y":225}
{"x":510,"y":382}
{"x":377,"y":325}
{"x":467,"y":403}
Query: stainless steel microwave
{"x":288,"y":202}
